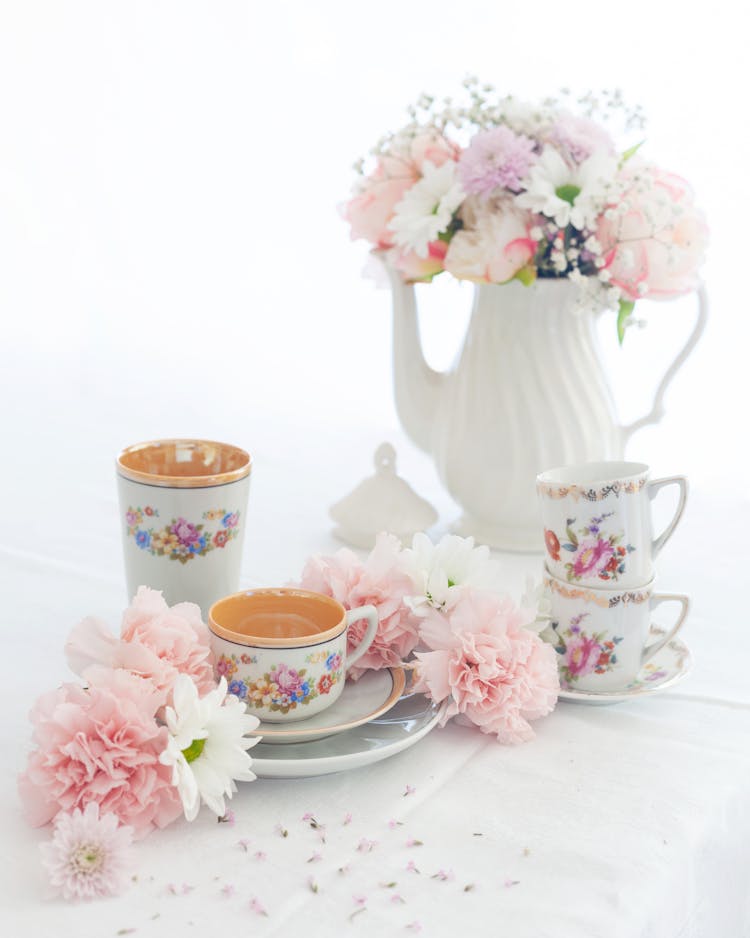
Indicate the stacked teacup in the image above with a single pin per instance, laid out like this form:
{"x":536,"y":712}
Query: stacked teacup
{"x":599,"y":571}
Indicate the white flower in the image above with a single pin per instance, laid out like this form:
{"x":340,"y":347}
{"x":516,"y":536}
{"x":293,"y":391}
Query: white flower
{"x":537,"y":600}
{"x":427,"y":208}
{"x":441,"y":570}
{"x":89,"y":856}
{"x":207,"y":744}
{"x":570,"y":195}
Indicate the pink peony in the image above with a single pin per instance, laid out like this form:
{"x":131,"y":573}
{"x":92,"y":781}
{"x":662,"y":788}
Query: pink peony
{"x":380,"y":581}
{"x":156,"y":641}
{"x":581,"y":655}
{"x":493,"y":246}
{"x":100,"y":746}
{"x":413,"y":267}
{"x":287,"y":679}
{"x":89,"y":855}
{"x":656,"y":247}
{"x":592,"y":557}
{"x":372,"y":206}
{"x":496,"y":159}
{"x":494,"y":671}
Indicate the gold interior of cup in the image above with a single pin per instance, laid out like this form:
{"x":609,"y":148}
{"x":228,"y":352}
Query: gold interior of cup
{"x":277,"y":618}
{"x":184,"y":463}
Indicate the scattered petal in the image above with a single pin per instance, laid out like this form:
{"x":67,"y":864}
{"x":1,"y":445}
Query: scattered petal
{"x":312,"y":884}
{"x":260,"y":855}
{"x":227,"y":818}
{"x":228,"y":890}
{"x":393,"y":824}
{"x":469,"y":887}
{"x":398,"y":898}
{"x":511,"y":882}
{"x":347,"y":818}
{"x":356,"y":912}
{"x":244,"y":843}
{"x":415,"y":926}
{"x":257,"y":906}
{"x":477,"y":835}
{"x":443,"y":875}
{"x":344,"y":869}
{"x":410,"y":789}
{"x":360,"y":900}
{"x":411,"y":867}
{"x":411,"y":842}
{"x":315,"y":857}
{"x":526,"y":852}
{"x":388,"y":885}
{"x":307,"y":816}
{"x":186,"y":889}
{"x":125,"y":931}
{"x":366,"y":846}
{"x":281,"y":831}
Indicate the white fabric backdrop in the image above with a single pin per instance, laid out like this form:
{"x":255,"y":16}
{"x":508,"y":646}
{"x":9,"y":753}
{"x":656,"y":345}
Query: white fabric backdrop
{"x":172,"y":264}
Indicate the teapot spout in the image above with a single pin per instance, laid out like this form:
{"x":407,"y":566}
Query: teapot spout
{"x":417,"y":387}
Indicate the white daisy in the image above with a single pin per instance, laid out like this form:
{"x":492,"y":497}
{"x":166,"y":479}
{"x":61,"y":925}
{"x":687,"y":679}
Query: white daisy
{"x":207,"y":743}
{"x":427,"y":208}
{"x":440,"y":570}
{"x":574,"y":195}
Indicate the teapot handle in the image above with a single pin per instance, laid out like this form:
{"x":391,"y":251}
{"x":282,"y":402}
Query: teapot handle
{"x":657,"y":409}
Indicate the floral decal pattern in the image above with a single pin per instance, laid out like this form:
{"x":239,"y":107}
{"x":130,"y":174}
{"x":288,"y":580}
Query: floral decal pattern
{"x":576,"y":492}
{"x":181,"y":539}
{"x":595,"y":553}
{"x":582,"y":653}
{"x":281,"y":688}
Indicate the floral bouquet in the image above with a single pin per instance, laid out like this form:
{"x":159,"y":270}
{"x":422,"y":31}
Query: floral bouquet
{"x":148,"y":734}
{"x":494,"y":190}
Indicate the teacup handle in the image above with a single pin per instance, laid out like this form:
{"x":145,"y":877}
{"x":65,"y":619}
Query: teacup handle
{"x":362,"y":612}
{"x":656,"y":600}
{"x":653,"y":488}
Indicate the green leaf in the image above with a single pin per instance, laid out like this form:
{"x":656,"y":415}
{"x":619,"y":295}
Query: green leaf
{"x":631,"y":151}
{"x":527,"y":275}
{"x":571,"y":536}
{"x":626,"y":310}
{"x":568,"y":193}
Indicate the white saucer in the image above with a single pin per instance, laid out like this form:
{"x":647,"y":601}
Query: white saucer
{"x":668,"y":667}
{"x":360,"y":701}
{"x":405,"y":724}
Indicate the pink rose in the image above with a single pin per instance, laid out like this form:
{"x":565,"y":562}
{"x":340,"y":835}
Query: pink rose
{"x":156,"y":641}
{"x":372,"y":206}
{"x":100,"y":745}
{"x":656,"y":248}
{"x":287,"y":679}
{"x":380,"y":581}
{"x":592,"y":557}
{"x":496,"y":673}
{"x":493,"y":246}
{"x":581,"y":655}
{"x":186,"y":532}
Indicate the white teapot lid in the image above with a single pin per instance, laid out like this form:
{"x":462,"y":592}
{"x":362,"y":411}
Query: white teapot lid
{"x":383,"y":502}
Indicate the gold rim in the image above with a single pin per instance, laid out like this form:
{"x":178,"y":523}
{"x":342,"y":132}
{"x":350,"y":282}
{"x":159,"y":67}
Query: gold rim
{"x":398,"y":677}
{"x":165,"y":463}
{"x":261,"y":641}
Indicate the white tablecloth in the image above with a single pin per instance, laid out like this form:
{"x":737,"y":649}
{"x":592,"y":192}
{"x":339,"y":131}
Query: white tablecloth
{"x":624,"y":822}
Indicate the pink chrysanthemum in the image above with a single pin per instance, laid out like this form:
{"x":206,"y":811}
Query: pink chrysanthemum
{"x":100,"y":745}
{"x":381,"y":581}
{"x":89,"y":855}
{"x":495,"y":673}
{"x":495,"y":159}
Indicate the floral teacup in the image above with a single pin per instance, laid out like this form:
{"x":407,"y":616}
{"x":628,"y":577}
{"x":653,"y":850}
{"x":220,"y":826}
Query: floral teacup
{"x":597,"y":522}
{"x":602,"y":635}
{"x":284,"y":651}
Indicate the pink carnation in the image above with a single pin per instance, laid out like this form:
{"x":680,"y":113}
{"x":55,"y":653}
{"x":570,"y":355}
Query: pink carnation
{"x":495,"y":673}
{"x":577,"y":138}
{"x":380,"y":581}
{"x":100,"y":745}
{"x":157,"y":642}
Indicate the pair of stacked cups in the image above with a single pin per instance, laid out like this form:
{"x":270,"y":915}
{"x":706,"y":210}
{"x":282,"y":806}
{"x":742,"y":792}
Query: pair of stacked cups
{"x":183,"y":505}
{"x":599,"y":571}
